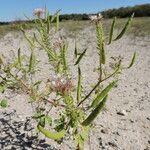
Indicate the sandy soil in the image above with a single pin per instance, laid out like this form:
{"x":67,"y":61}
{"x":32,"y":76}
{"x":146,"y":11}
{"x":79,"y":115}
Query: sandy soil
{"x":125,"y":125}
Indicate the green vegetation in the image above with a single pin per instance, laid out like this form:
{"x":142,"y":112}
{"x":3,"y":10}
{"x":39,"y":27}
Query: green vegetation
{"x":140,"y":26}
{"x":75,"y":119}
{"x":3,"y":103}
{"x":123,"y":12}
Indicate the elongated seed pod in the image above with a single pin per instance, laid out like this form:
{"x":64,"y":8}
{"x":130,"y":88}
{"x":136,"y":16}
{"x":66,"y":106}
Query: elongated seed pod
{"x":100,"y":42}
{"x":79,"y":85}
{"x":133,"y":60}
{"x":51,"y":135}
{"x":101,"y":95}
{"x":19,"y":57}
{"x":48,"y":23}
{"x":57,"y":22}
{"x":49,"y":51}
{"x":31,"y":61}
{"x":125,"y":28}
{"x":75,"y":50}
{"x":64,"y":57}
{"x":112,"y":30}
{"x":27,"y":38}
{"x":1,"y":61}
{"x":102,"y":55}
{"x":80,"y":57}
{"x":94,"y":113}
{"x":55,"y":15}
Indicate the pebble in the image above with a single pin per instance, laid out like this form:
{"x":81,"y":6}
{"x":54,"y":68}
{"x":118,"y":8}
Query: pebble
{"x":105,"y":131}
{"x":116,"y":133}
{"x":148,"y":118}
{"x":122,"y":113}
{"x":132,"y":121}
{"x":112,"y":144}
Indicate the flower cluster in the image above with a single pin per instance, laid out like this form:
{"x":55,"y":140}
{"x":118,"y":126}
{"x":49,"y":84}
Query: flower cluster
{"x":39,"y":12}
{"x":61,"y":84}
{"x":58,"y":42}
{"x":95,"y":18}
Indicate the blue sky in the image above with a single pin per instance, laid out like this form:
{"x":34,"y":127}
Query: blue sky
{"x":14,"y":9}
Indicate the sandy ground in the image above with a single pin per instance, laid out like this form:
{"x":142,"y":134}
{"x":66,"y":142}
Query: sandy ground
{"x":125,"y":125}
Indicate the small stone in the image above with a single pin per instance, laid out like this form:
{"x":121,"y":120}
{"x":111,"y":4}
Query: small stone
{"x":105,"y":131}
{"x":13,"y":148}
{"x":100,"y":141}
{"x":116,"y":133}
{"x":112,"y":144}
{"x":132,"y":121}
{"x":122,"y":113}
{"x":136,"y":90}
{"x":148,"y":118}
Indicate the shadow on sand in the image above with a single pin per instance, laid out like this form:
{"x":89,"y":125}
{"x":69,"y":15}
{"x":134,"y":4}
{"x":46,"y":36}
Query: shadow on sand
{"x":18,"y":135}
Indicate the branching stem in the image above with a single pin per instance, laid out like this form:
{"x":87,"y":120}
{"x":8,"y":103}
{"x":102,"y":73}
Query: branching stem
{"x":98,"y":83}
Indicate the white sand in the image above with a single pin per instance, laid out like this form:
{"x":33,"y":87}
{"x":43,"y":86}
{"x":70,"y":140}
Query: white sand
{"x":130,"y":131}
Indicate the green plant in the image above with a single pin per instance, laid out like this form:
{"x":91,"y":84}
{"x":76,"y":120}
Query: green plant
{"x":3,"y":103}
{"x":73,"y":119}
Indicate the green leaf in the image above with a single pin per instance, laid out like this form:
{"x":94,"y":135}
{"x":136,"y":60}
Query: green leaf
{"x":42,"y":121}
{"x":80,"y":57}
{"x":2,"y":88}
{"x":95,"y":112}
{"x":48,"y":119}
{"x":79,"y":141}
{"x":51,"y":135}
{"x":125,"y":28}
{"x":132,"y":61}
{"x":4,"y":103}
{"x":112,"y":30}
{"x":101,"y":95}
{"x":79,"y":85}
{"x":37,"y":83}
{"x":38,"y":116}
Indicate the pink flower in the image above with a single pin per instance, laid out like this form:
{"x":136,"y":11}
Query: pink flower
{"x":39,"y":12}
{"x":95,"y":18}
{"x":61,"y":84}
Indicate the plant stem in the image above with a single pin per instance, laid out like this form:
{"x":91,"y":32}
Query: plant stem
{"x":53,"y":103}
{"x":101,"y":71}
{"x":98,"y":83}
{"x":19,"y":80}
{"x":89,"y":93}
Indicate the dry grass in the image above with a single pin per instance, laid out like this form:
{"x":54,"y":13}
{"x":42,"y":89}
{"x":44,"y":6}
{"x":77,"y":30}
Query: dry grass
{"x":140,"y":26}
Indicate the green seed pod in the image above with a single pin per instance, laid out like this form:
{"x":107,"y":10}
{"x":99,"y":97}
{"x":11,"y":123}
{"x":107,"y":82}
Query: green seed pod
{"x":101,"y":95}
{"x":51,"y":135}
{"x":132,"y":61}
{"x":125,"y":28}
{"x":80,"y":57}
{"x":94,"y":113}
{"x":79,"y":85}
{"x":112,"y":30}
{"x":19,"y":57}
{"x":100,"y":42}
